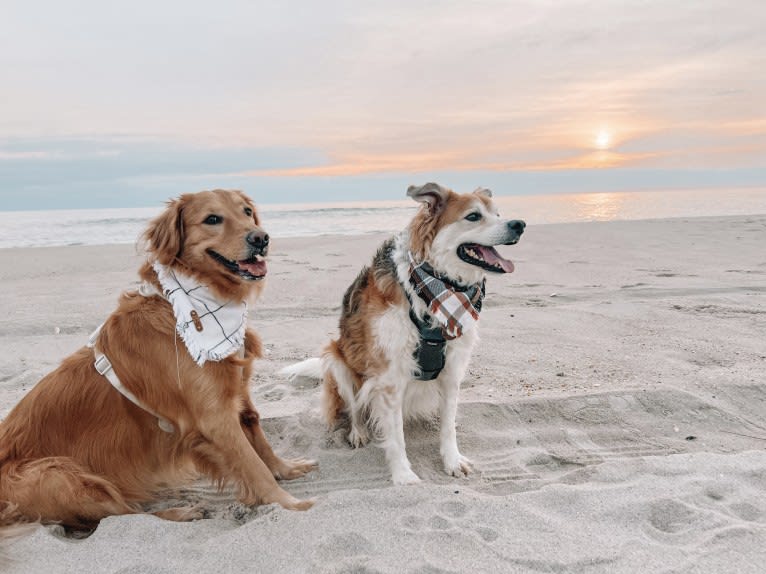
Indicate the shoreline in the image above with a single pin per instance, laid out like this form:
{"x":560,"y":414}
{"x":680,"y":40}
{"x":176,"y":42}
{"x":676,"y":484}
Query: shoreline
{"x":615,"y":411}
{"x":340,"y":236}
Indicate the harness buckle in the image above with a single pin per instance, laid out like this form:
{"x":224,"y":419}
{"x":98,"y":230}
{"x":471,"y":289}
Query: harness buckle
{"x":103,"y":365}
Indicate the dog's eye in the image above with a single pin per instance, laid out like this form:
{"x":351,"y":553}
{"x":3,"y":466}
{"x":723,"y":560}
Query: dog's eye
{"x":248,"y":211}
{"x":213,"y":220}
{"x":475,"y":216}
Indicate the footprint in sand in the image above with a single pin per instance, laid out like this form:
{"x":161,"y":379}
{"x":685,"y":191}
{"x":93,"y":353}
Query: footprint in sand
{"x":747,"y":512}
{"x":345,"y":545}
{"x":454,"y":509}
{"x":412,"y":522}
{"x":672,"y":520}
{"x":450,"y":515}
{"x":143,"y":569}
{"x":439,"y":523}
{"x":671,"y":516}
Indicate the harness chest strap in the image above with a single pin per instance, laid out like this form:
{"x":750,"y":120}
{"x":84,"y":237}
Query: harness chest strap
{"x":104,"y":367}
{"x":431,"y":352}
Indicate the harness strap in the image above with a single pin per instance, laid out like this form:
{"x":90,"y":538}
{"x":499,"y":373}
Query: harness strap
{"x":431,"y":352}
{"x":104,"y":367}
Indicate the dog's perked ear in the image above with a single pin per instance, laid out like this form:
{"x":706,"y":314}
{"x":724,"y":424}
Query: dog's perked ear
{"x":432,"y":194}
{"x":483,"y":191}
{"x":165,"y":234}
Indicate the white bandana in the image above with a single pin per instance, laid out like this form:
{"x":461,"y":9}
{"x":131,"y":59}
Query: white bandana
{"x":210,"y":328}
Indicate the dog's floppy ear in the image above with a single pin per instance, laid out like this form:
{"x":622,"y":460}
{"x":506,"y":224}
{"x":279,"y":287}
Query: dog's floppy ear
{"x":483,"y":191}
{"x":250,"y":204}
{"x":165,"y":234}
{"x":432,"y":194}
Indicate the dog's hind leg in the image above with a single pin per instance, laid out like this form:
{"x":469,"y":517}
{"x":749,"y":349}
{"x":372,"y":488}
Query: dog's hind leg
{"x":333,"y":405}
{"x":58,"y":489}
{"x":339,"y":392}
{"x":180,"y":513}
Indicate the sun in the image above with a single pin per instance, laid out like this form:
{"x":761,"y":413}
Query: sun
{"x":603,"y":139}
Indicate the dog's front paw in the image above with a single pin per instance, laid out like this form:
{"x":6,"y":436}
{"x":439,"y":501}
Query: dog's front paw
{"x":358,"y":437}
{"x":295,"y":468}
{"x":289,"y":502}
{"x":405,"y":477}
{"x":300,"y":504}
{"x":458,"y":466}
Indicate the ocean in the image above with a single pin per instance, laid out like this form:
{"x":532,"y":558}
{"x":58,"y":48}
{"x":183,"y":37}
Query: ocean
{"x":124,"y":225}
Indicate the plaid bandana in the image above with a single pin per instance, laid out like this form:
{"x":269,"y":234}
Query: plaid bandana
{"x":454,"y":310}
{"x":210,"y":328}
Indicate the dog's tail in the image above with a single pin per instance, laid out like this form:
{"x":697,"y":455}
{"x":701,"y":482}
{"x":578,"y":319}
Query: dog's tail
{"x":13,"y":525}
{"x":52,"y":489}
{"x":340,"y":385}
{"x":311,"y":368}
{"x":10,"y":529}
{"x":339,"y":382}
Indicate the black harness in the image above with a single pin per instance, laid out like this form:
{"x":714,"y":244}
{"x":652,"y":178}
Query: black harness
{"x":431,"y":353}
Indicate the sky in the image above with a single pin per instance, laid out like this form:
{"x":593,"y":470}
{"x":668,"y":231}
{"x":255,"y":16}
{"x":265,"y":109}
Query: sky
{"x":117,"y":104}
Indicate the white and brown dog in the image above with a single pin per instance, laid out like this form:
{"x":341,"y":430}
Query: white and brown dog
{"x":409,"y":325}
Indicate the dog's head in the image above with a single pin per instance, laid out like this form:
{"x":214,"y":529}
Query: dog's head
{"x":214,"y":236}
{"x":456,"y":233}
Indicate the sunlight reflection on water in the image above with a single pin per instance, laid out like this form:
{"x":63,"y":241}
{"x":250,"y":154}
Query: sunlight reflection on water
{"x":109,"y":226}
{"x":605,"y":206}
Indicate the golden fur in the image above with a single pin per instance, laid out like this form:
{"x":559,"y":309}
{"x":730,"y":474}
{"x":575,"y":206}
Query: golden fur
{"x":74,"y":450}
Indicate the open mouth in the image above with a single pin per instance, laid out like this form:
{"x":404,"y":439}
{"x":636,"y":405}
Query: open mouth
{"x":251,"y":269}
{"x":485,"y":257}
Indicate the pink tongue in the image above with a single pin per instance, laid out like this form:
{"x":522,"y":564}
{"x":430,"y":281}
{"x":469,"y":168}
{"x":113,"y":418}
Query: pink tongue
{"x":256,"y":269}
{"x":492,"y":257}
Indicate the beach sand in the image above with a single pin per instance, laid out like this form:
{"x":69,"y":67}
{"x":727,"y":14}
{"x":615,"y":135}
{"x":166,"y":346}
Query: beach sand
{"x":615,"y":411}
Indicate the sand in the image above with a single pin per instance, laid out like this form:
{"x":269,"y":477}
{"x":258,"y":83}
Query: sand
{"x":615,"y":411}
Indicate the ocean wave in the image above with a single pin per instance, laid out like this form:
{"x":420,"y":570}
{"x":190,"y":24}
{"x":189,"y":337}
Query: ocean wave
{"x":124,"y":226}
{"x":113,"y":221}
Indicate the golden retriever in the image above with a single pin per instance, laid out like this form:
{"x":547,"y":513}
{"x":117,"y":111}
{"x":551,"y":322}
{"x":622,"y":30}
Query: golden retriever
{"x":75,"y":450}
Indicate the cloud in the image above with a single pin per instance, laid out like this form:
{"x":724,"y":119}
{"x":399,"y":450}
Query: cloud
{"x":127,"y":171}
{"x":247,"y":92}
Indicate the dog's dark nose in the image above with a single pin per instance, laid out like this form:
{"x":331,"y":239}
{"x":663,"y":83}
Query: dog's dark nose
{"x":515,"y":229}
{"x":258,"y":238}
{"x":517,"y":226}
